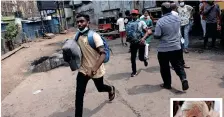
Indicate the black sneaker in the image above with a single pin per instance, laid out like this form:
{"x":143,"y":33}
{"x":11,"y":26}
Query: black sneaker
{"x":165,"y":86}
{"x":112,"y":94}
{"x":133,"y":74}
{"x":185,"y":85}
{"x":146,"y":63}
{"x":187,"y":67}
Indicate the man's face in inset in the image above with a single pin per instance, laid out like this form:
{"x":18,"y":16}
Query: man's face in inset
{"x":194,"y":112}
{"x":82,"y":23}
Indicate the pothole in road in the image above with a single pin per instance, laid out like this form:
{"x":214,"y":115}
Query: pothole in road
{"x":46,"y":63}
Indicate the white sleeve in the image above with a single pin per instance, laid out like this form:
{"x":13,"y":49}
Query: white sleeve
{"x":125,"y":20}
{"x":97,"y":39}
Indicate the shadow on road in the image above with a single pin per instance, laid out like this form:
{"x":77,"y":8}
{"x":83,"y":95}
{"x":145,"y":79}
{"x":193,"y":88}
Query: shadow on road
{"x":150,"y":89}
{"x":143,"y":89}
{"x":177,"y":92}
{"x":69,"y":113}
{"x":126,"y":76}
{"x":86,"y":112}
{"x":119,"y":76}
{"x":222,"y":83}
{"x":150,"y":69}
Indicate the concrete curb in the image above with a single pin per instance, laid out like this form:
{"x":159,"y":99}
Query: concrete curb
{"x":7,"y":55}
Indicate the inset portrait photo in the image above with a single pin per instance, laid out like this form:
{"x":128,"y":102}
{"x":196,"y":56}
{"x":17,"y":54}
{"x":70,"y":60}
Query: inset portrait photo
{"x":196,"y":107}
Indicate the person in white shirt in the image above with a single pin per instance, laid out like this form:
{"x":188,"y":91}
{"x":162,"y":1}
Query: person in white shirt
{"x":185,"y":13}
{"x":203,"y":23}
{"x":120,"y":23}
{"x":174,"y":12}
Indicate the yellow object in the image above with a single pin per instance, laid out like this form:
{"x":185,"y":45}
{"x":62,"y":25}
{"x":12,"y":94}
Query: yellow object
{"x":221,"y":4}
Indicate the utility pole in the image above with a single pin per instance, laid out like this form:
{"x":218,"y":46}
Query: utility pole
{"x":64,"y":16}
{"x":73,"y":11}
{"x":61,"y":29}
{"x":42,"y":24}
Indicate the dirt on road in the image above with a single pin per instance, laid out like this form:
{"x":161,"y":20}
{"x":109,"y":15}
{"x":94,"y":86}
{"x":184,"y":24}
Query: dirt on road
{"x":15,"y":68}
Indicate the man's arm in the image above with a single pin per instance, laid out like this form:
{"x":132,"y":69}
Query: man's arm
{"x":99,"y":62}
{"x":207,"y":9}
{"x":158,"y":32}
{"x":190,"y":8}
{"x":145,"y":28}
{"x":218,"y":15}
{"x":100,"y":49}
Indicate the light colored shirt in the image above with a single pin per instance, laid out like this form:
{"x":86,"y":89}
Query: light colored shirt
{"x":142,"y":25}
{"x":174,"y":13}
{"x":185,"y":14}
{"x":90,"y":55}
{"x":149,"y":24}
{"x":167,"y":28}
{"x":120,"y":23}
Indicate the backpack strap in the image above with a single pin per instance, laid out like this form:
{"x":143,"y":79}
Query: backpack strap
{"x":77,"y":36}
{"x":91,"y":40}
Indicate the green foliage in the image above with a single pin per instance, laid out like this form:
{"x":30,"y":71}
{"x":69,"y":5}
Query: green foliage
{"x":11,"y":31}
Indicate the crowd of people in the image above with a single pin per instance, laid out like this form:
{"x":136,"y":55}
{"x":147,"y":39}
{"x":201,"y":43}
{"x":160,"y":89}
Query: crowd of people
{"x":172,"y":31}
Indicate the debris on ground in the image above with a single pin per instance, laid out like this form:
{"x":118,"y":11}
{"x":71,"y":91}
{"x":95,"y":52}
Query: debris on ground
{"x":38,"y":91}
{"x":49,"y":36}
{"x":47,"y":63}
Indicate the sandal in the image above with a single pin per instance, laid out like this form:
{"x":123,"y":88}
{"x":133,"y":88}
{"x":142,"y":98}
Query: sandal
{"x":112,"y":94}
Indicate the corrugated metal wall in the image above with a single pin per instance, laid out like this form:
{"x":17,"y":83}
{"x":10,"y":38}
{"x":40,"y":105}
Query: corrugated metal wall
{"x":98,"y":9}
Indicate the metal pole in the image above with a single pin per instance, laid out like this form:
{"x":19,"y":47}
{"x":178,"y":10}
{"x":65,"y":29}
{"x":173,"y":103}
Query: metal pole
{"x":60,"y":17}
{"x":42,"y":24}
{"x":65,"y":20}
{"x":73,"y":11}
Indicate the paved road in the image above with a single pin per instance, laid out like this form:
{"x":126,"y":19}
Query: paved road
{"x":140,"y":96}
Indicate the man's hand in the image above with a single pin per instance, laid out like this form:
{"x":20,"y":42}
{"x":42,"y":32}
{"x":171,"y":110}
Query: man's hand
{"x":149,"y":31}
{"x":142,"y":41}
{"x":89,"y":72}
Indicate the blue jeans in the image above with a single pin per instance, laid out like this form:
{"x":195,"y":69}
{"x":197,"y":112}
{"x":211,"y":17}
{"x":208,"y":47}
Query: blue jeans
{"x":185,"y":33}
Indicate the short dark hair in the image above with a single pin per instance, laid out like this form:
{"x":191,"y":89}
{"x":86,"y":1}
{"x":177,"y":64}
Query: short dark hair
{"x":173,"y":6}
{"x":127,"y":13}
{"x":120,"y":14}
{"x":166,"y":8}
{"x":83,"y":15}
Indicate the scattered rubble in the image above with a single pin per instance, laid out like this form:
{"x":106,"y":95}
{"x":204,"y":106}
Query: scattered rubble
{"x":49,"y":35}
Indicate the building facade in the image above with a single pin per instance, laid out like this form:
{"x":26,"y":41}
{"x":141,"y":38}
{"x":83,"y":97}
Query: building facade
{"x":8,"y":7}
{"x":97,"y":9}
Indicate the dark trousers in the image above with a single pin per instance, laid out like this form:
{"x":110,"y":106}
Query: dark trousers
{"x":182,"y":56}
{"x":222,"y":35}
{"x":81,"y":83}
{"x":134,"y":49}
{"x":174,"y":57}
{"x":211,"y":31}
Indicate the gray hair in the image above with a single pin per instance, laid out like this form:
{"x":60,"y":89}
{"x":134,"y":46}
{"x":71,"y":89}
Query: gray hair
{"x":202,"y":106}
